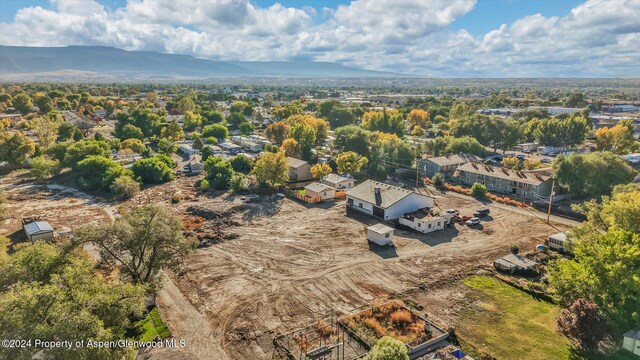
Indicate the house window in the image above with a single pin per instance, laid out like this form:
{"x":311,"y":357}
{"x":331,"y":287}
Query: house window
{"x":360,"y":204}
{"x":419,"y":225}
{"x":438,"y":223}
{"x":429,"y":226}
{"x":386,"y":235}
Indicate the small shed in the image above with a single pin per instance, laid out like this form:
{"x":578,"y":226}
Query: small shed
{"x":515,"y":264}
{"x":38,"y":230}
{"x":380,"y":234}
{"x":631,"y":341}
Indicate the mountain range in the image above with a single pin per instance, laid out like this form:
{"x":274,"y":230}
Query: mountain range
{"x":109,"y":63}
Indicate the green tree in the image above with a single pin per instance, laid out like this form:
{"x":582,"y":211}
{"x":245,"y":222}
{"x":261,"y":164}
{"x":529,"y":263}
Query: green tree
{"x":43,"y":102}
{"x":218,"y":131}
{"x":131,"y":132}
{"x":185,"y":104}
{"x":272,"y":169}
{"x":465,"y":145}
{"x":458,"y":111}
{"x":387,"y":121}
{"x":22,"y":103}
{"x":141,"y":242}
{"x":167,"y":146}
{"x":388,"y":348}
{"x":219,"y":173}
{"x":234,"y":119}
{"x":80,"y":150}
{"x":305,"y":135}
{"x":134,"y":145}
{"x":478,"y":190}
{"x":173,"y":131}
{"x":98,"y":173}
{"x":16,"y":149}
{"x":152,"y":171}
{"x":192,"y":121}
{"x":66,"y":131}
{"x":50,"y":292}
{"x":246,"y":128}
{"x":353,"y":138}
{"x":144,"y":119}
{"x":241,"y":163}
{"x":211,"y":117}
{"x":591,"y":174}
{"x":238,"y":182}
{"x":349,"y":162}
{"x":320,"y":170}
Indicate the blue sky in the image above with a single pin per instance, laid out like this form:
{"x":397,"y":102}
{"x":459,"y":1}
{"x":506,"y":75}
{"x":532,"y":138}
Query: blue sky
{"x":486,"y":15}
{"x":440,"y":38}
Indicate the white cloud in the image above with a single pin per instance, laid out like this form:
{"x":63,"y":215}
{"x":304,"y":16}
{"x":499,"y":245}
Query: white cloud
{"x":597,"y":38}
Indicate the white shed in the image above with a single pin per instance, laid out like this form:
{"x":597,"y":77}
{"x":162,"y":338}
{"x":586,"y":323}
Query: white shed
{"x":38,"y":230}
{"x":380,"y":234}
{"x":559,"y":242}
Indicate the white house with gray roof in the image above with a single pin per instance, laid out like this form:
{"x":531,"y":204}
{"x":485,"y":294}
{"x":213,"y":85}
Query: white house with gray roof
{"x":446,"y":165}
{"x":385,"y":201}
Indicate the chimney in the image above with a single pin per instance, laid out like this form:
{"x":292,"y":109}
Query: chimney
{"x":376,"y":189}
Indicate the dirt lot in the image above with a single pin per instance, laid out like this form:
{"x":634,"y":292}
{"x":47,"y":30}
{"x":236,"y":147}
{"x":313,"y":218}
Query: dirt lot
{"x":294,"y":264}
{"x":291,"y":264}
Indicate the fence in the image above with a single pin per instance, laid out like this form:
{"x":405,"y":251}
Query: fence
{"x":300,"y":196}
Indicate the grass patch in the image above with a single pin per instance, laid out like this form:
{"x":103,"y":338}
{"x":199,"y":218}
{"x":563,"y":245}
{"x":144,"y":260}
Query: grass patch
{"x":510,"y":324}
{"x":152,"y":326}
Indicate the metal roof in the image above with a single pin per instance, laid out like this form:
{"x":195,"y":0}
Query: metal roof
{"x":335,"y":178}
{"x":533,"y":178}
{"x":454,"y":159}
{"x":516,"y":260}
{"x":37,"y":227}
{"x":380,"y":228}
{"x":388,"y":195}
{"x":295,"y":163}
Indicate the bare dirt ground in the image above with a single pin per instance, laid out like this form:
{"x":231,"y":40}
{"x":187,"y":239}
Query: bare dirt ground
{"x":294,"y":264}
{"x":291,"y":264}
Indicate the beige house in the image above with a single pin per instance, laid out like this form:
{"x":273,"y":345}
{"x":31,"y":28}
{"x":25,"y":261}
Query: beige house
{"x":446,"y":165}
{"x":299,"y":170}
{"x":318,"y":190}
{"x":532,"y":185}
{"x":196,"y":166}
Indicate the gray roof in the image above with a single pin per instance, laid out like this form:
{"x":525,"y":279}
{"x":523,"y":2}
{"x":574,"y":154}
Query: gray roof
{"x":335,"y":178}
{"x":634,"y":334}
{"x":380,"y":228}
{"x":454,"y":159}
{"x":295,"y":163}
{"x":387,"y":196}
{"x":516,"y":260}
{"x":37,"y":227}
{"x":533,"y":178}
{"x":318,"y":187}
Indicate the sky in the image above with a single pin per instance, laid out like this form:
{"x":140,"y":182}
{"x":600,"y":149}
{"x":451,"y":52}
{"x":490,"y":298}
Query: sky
{"x":438,"y":38}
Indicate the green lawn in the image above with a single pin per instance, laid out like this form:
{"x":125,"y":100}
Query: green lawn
{"x":153,"y":326}
{"x":510,"y":324}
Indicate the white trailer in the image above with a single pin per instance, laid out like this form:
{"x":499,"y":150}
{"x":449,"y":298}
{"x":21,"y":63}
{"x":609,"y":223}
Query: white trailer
{"x":380,"y":234}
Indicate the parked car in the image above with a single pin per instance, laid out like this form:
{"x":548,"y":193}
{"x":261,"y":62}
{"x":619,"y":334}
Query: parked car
{"x":520,"y":157}
{"x":463,"y":218}
{"x":453,"y":212}
{"x":473,"y":221}
{"x":280,"y":195}
{"x":482,"y":212}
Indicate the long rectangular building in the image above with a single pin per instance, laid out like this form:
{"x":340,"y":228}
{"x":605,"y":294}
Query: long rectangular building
{"x":525,"y":184}
{"x":386,"y":201}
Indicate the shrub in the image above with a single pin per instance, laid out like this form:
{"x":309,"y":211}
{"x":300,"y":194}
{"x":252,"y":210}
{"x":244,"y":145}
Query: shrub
{"x":218,"y":172}
{"x":401,"y":317}
{"x":583,"y":322}
{"x":238,"y":182}
{"x":176,"y":198}
{"x":42,"y":168}
{"x":478,"y":190}
{"x":515,"y":249}
{"x":388,"y":348}
{"x":125,"y":187}
{"x":438,"y":180}
{"x":204,"y":185}
{"x":152,"y":170}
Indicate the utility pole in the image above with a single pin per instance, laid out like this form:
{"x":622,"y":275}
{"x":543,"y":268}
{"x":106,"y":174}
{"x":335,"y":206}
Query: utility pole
{"x":417,"y":171}
{"x":553,"y":187}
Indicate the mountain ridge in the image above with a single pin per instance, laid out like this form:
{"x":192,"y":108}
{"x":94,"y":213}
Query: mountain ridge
{"x":103,"y":61}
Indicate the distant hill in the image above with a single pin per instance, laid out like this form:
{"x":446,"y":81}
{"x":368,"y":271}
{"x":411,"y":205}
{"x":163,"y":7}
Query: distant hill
{"x":30,"y":63}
